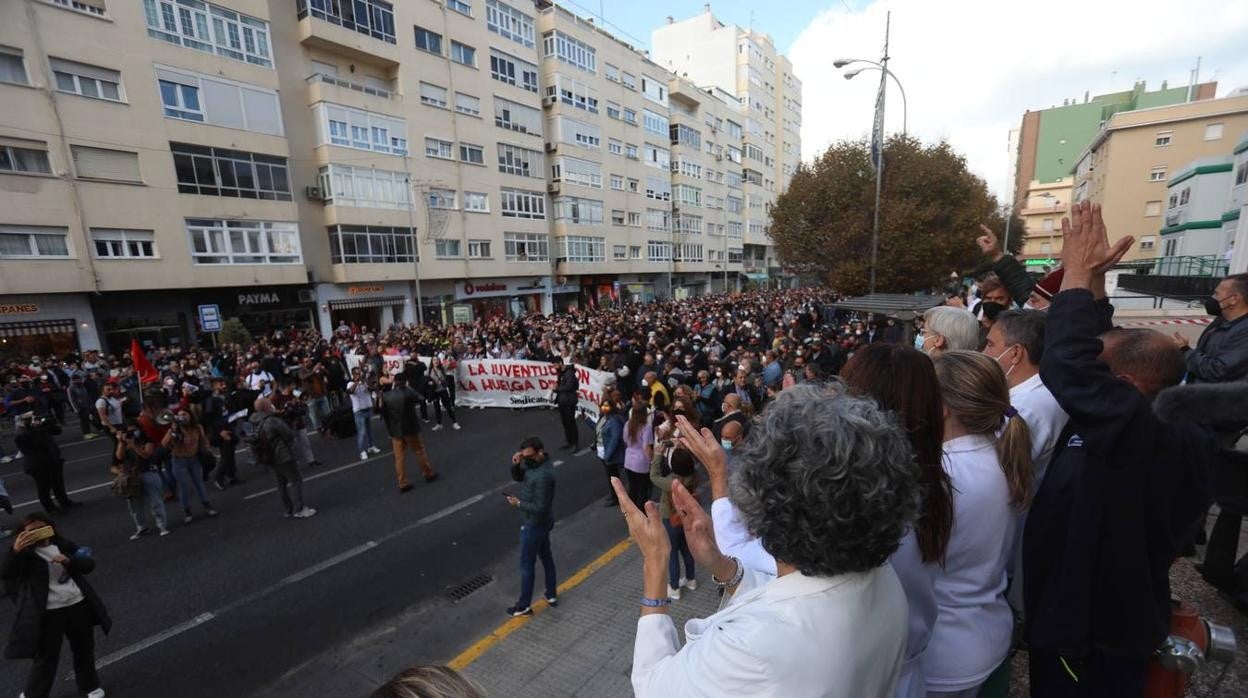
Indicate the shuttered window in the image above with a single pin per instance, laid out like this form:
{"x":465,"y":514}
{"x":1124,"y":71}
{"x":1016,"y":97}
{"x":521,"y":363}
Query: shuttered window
{"x":99,"y":163}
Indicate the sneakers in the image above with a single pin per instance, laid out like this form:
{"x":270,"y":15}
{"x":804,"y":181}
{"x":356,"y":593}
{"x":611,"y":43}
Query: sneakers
{"x":692,"y":585}
{"x":219,"y":485}
{"x":553,"y":601}
{"x":164,"y":532}
{"x":374,"y":450}
{"x":211,"y":512}
{"x":363,"y":455}
{"x":138,"y":533}
{"x":437,"y":427}
{"x":6,"y":459}
{"x":97,"y":693}
{"x":518,"y":611}
{"x":188,"y":518}
{"x":673,"y":594}
{"x":89,"y":435}
{"x":5,"y":532}
{"x":455,"y":426}
{"x":304,"y":513}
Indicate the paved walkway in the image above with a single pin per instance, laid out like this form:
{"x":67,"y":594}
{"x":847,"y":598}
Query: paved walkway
{"x":585,"y":646}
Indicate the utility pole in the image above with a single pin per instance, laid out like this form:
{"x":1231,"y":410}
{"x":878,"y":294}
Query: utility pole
{"x":877,"y":147}
{"x":411,"y":222}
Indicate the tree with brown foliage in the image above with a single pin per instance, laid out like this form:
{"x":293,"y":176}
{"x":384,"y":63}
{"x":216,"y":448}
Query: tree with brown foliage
{"x":930,"y":210}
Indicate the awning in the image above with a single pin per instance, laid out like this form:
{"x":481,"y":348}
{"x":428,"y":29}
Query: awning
{"x":901,"y":306}
{"x":36,"y":327}
{"x":352,"y":303}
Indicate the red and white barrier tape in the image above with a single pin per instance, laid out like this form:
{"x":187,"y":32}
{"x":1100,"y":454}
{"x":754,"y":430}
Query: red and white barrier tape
{"x":1172,"y":321}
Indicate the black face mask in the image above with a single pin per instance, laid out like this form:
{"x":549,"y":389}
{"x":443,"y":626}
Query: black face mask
{"x":1213,"y":306}
{"x":531,"y":463}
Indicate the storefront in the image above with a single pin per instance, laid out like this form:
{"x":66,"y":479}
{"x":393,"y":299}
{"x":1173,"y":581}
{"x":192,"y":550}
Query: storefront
{"x":635,"y":289}
{"x":599,"y":292}
{"x":501,"y":297}
{"x":38,"y":325}
{"x":375,"y":305}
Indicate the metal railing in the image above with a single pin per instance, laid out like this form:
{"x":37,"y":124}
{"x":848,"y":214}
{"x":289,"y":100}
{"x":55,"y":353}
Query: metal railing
{"x":1206,"y":265}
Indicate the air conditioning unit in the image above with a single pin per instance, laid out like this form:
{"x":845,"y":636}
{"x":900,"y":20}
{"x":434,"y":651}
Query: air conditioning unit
{"x":554,"y":187}
{"x":549,"y":101}
{"x":307,"y":295}
{"x":551,"y":147}
{"x":314,"y":193}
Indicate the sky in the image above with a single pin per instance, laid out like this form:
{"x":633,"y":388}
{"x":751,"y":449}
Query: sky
{"x":970,"y":68}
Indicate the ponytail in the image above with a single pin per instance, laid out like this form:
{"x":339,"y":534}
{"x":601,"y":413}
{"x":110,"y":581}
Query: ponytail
{"x":1014,"y":452}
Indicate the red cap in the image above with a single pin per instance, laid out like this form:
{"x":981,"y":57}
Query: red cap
{"x":1051,"y":284}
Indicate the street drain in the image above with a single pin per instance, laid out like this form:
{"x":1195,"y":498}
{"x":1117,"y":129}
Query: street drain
{"x":461,"y":591}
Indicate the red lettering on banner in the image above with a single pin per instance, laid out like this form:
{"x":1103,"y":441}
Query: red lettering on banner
{"x":582,"y":375}
{"x":474,"y":369}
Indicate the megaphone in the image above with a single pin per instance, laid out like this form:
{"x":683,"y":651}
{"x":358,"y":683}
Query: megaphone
{"x":165,"y":418}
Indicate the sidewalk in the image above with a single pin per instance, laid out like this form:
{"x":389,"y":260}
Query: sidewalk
{"x":585,"y":646}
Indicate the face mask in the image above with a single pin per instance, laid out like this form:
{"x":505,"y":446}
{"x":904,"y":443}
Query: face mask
{"x":1213,"y":306}
{"x":531,"y":462}
{"x":918,"y":343}
{"x":997,"y":358}
{"x":726,"y":444}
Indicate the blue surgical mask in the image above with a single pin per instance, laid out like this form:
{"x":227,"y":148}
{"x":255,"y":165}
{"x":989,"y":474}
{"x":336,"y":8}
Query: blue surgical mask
{"x":726,"y":444}
{"x":918,"y":341}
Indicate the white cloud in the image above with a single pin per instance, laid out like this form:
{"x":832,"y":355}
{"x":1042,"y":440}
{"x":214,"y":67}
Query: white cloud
{"x":972,"y":67}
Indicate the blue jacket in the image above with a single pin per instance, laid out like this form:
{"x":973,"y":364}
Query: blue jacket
{"x":1221,"y":353}
{"x":1123,"y":494}
{"x":613,"y":439}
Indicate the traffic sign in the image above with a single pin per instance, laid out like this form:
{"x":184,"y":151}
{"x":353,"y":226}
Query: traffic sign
{"x":210,"y":318}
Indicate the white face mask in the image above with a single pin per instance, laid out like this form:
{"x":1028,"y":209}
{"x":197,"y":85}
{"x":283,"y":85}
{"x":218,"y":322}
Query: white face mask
{"x":997,"y":358}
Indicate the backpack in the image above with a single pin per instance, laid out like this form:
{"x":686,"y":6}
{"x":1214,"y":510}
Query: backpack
{"x":261,"y":445}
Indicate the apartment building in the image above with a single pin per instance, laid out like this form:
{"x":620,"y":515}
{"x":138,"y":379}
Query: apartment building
{"x":1203,"y":226}
{"x":745,"y":64}
{"x":326,"y":163}
{"x":1128,"y":164}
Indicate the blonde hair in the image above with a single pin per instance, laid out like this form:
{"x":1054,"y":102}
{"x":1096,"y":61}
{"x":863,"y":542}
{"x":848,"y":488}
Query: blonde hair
{"x":976,"y":393}
{"x":429,"y":681}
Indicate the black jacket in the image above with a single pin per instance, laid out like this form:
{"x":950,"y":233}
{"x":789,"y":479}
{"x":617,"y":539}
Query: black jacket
{"x":1122,"y":495}
{"x":1015,"y":278}
{"x":25,"y":577}
{"x":398,"y":411}
{"x":1221,"y":353}
{"x":567,"y":388}
{"x":39,"y":448}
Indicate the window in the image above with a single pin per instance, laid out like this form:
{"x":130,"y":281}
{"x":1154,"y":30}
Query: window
{"x":359,"y":129}
{"x":33,"y":241}
{"x":519,"y":203}
{"x":433,"y":95}
{"x":1152,"y":208}
{"x":689,"y":252}
{"x":513,"y":159}
{"x":27,"y":160}
{"x":476,"y":202}
{"x":446,"y":248}
{"x":507,"y":68}
{"x":654,"y":123}
{"x":1172,"y":248}
{"x":1213,"y":132}
{"x":734,"y":229}
{"x":233,"y":34}
{"x":734,"y":256}
{"x":1157,"y":174}
{"x":470,"y":153}
{"x":569,"y":50}
{"x":654,"y":90}
{"x":509,"y":23}
{"x":243,"y":242}
{"x":611,"y":72}
{"x":613,"y":110}
{"x":691,"y":225}
{"x":686,"y":194}
{"x":1047,"y":224}
{"x":573,"y":92}
{"x":12,"y":66}
{"x":438,"y":148}
{"x":658,"y":251}
{"x":1163,"y":138}
{"x":582,"y":248}
{"x":463,"y":54}
{"x":634,"y":219}
{"x":733,"y":129}
{"x":574,"y":209}
{"x":1148,"y":242}
{"x":619,"y":252}
{"x":628,"y":80}
{"x":1185,"y":196}
{"x":568,"y":130}
{"x":86,"y":7}
{"x":427,"y":40}
{"x":100,"y":163}
{"x":634,"y":251}
{"x":371,"y":244}
{"x":577,"y":171}
{"x":630,"y":151}
{"x":479,"y":249}
{"x":219,"y":102}
{"x":365,"y":187}
{"x":86,"y":80}
{"x":658,"y":219}
{"x":615,"y":146}
{"x":1241,"y":173}
{"x":525,"y":247}
{"x":116,"y":243}
{"x":657,"y":157}
{"x":467,"y":104}
{"x":617,"y":182}
{"x":659,"y":187}
{"x":373,"y":18}
{"x":633,"y":185}
{"x":441,"y":199}
{"x":460,"y":6}
{"x":230,"y":173}
{"x":517,"y":117}
{"x":630,"y":116}
{"x":617,"y":216}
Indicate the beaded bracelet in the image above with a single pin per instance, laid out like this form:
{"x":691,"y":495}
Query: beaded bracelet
{"x":655,"y":603}
{"x":737,"y":576}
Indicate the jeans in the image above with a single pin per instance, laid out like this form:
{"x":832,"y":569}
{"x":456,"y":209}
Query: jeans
{"x":363,"y":430}
{"x":189,"y":475}
{"x":680,"y":549}
{"x":535,"y":543}
{"x":287,"y":474}
{"x":443,"y":401}
{"x":150,"y":497}
{"x":318,"y":408}
{"x":72,"y":623}
{"x":302,"y":447}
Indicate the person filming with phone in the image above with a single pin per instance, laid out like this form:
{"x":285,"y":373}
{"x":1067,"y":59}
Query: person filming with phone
{"x":531,"y":468}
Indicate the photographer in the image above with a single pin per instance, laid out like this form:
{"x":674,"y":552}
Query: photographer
{"x":290,"y":406}
{"x":43,"y":460}
{"x":361,"y":394}
{"x":184,"y":440}
{"x":315,"y":382}
{"x":136,"y":473}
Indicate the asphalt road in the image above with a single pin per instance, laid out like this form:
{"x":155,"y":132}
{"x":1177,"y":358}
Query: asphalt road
{"x":225,"y":606}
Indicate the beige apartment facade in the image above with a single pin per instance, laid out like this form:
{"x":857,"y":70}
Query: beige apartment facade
{"x":1127,"y":166}
{"x":317,"y":167}
{"x":1041,"y":213}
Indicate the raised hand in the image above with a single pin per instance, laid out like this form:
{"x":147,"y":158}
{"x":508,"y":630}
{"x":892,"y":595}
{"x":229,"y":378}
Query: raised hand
{"x":1086,"y":251}
{"x":699,"y":530}
{"x":644,"y":527}
{"x":988,"y":243}
{"x":707,"y":450}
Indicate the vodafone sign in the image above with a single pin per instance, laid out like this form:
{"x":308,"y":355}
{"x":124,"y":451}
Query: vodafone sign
{"x":471,"y":290}
{"x":493,"y":288}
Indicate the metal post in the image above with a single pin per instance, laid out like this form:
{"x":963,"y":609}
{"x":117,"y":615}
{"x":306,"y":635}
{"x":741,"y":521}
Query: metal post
{"x":411,"y":221}
{"x":879,"y":165}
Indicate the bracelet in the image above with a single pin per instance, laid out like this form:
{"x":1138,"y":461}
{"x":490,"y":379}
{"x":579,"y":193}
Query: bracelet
{"x":737,"y":576}
{"x":655,"y":603}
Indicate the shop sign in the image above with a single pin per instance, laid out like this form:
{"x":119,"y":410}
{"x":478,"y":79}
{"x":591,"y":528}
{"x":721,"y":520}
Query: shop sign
{"x":18,"y":308}
{"x":258,"y":298}
{"x":487,"y":287}
{"x":361,"y":290}
{"x":461,"y":314}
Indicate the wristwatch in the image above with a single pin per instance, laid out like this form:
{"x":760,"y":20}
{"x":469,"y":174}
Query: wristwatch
{"x":655,"y":603}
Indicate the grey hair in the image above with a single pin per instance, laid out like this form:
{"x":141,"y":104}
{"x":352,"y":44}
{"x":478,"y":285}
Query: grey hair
{"x":828,"y":482}
{"x":429,"y":681}
{"x":958,"y":326}
{"x":1025,"y":327}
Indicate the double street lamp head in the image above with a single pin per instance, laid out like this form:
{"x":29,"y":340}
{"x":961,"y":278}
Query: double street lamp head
{"x":842,"y":62}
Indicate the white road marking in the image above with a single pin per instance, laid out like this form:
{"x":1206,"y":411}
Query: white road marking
{"x":77,"y":491}
{"x":325,"y":473}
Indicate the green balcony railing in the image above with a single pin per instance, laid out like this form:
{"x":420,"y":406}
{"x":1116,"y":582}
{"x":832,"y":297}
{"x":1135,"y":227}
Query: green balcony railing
{"x":1207,"y":265}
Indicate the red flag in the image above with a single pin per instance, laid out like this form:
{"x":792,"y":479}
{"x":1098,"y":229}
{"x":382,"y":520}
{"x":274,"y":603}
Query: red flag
{"x":142,"y":367}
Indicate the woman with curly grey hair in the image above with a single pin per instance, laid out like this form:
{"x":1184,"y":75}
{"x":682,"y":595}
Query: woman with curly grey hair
{"x":829,"y":485}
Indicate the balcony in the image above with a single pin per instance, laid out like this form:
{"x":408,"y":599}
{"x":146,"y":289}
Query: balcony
{"x":327,"y":88}
{"x":1042,"y":211}
{"x":334,"y":26}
